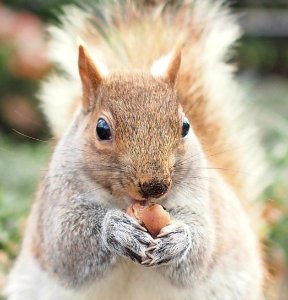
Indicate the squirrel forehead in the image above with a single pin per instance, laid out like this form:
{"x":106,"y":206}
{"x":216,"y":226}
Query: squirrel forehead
{"x":145,"y":112}
{"x":123,"y":91}
{"x":142,"y":106}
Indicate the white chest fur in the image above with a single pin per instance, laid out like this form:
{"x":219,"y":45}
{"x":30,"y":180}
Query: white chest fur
{"x":127,"y":281}
{"x":130,"y":281}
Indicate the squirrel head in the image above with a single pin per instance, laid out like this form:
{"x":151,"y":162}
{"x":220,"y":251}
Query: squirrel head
{"x":135,"y":127}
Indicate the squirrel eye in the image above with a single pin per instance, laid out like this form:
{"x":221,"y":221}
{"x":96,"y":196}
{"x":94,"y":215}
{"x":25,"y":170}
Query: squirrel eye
{"x":103,"y":130}
{"x":185,"y":127}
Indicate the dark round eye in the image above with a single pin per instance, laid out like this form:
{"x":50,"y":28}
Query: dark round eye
{"x":185,"y":127}
{"x":103,"y":130}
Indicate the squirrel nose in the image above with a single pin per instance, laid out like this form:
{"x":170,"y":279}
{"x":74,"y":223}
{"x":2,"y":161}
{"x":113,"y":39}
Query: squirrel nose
{"x":154,"y":188}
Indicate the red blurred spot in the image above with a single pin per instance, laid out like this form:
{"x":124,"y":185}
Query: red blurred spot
{"x":24,"y":33}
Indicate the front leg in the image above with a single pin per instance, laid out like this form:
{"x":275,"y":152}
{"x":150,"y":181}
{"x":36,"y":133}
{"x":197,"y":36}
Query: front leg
{"x":70,"y":245}
{"x":124,"y":236}
{"x":183,"y":249}
{"x":86,"y":239}
{"x":173,"y":245}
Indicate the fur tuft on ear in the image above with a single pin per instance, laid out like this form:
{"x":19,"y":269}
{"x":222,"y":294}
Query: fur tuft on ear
{"x":167,"y":67}
{"x":91,"y":76}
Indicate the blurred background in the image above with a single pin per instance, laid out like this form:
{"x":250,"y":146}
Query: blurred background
{"x":262,"y":57}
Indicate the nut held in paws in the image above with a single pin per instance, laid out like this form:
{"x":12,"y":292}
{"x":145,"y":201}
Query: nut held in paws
{"x":153,"y":216}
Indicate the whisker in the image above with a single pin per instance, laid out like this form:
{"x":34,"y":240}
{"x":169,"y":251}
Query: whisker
{"x":30,"y":137}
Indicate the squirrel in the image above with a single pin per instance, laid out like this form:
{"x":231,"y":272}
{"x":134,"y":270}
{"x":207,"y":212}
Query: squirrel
{"x":145,"y":108}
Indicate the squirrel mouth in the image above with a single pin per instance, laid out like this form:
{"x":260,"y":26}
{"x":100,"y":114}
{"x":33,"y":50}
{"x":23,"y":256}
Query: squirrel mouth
{"x":142,"y":202}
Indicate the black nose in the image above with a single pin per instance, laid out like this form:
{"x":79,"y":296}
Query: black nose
{"x":154,"y":188}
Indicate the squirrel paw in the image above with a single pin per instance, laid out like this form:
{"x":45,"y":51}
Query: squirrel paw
{"x":173,"y":244}
{"x":125,"y":236}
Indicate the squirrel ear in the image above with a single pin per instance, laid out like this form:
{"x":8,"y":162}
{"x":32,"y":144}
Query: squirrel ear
{"x":91,"y":76}
{"x":167,"y":67}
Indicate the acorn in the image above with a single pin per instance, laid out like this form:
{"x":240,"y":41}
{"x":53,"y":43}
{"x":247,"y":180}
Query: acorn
{"x":153,"y":216}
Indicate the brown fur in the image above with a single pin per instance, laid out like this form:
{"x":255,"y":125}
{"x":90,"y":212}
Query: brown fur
{"x":154,"y":123}
{"x":214,"y":111}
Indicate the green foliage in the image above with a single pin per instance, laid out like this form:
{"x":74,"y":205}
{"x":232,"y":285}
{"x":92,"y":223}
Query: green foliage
{"x":270,"y":101}
{"x":264,"y":55}
{"x":21,"y":166}
{"x":45,"y":9}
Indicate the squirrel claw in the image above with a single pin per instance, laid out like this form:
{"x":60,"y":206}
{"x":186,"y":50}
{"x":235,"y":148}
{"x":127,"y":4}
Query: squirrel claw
{"x":152,"y":247}
{"x":149,"y":255}
{"x":167,"y":230}
{"x":152,"y":262}
{"x":146,"y":262}
{"x":162,"y":234}
{"x":140,"y":227}
{"x":153,"y":243}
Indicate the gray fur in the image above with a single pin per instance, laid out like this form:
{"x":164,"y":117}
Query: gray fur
{"x":122,"y":236}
